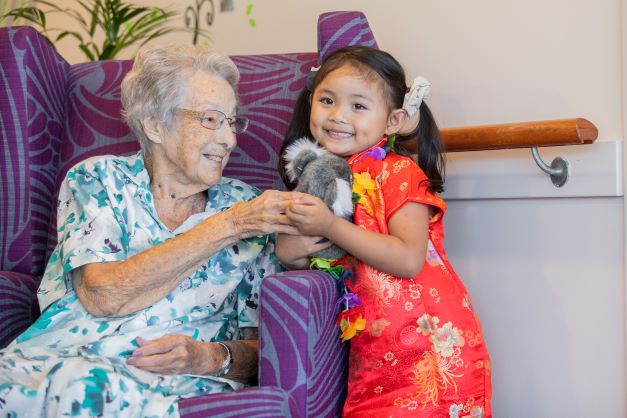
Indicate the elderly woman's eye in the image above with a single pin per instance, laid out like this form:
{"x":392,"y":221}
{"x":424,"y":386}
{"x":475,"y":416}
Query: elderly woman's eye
{"x":210,"y":121}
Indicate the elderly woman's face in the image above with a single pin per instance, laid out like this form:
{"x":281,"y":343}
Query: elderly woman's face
{"x":200,"y":154}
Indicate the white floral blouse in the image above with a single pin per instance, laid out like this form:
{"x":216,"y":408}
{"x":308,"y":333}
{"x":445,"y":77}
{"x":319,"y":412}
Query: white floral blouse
{"x":70,"y":362}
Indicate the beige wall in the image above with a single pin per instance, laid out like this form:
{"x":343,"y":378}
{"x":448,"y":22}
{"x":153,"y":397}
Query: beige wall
{"x":490,"y":61}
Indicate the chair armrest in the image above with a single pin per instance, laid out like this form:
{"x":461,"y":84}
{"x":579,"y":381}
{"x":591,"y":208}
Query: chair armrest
{"x":18,"y":304}
{"x":300,"y":348}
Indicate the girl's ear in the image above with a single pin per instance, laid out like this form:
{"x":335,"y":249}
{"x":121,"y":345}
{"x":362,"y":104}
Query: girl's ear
{"x":410,"y":124}
{"x":396,"y":121}
{"x":153,"y":129}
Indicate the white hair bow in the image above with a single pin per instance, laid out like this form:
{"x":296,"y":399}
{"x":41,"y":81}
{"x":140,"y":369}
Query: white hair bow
{"x":419,"y":91}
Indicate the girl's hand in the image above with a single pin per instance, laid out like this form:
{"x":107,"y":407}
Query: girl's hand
{"x":177,"y":354}
{"x":293,"y":251}
{"x":311,"y":216}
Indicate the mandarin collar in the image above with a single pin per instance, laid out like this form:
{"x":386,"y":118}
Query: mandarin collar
{"x":355,"y":157}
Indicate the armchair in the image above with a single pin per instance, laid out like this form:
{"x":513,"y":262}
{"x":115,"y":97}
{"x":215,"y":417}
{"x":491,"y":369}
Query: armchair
{"x":53,"y":115}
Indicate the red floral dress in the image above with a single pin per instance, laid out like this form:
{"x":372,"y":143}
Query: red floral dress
{"x":421,"y":353}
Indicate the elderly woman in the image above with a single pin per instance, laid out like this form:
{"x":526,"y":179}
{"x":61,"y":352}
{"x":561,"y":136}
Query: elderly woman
{"x":152,"y":291}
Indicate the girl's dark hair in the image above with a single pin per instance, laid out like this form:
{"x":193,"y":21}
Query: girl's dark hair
{"x":374,"y":63}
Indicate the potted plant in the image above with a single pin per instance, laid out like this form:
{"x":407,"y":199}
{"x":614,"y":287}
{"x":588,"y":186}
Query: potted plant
{"x":119,"y":23}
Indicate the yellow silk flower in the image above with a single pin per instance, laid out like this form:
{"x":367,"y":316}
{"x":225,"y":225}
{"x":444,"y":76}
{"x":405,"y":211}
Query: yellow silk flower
{"x":351,"y":323}
{"x":363,"y":184}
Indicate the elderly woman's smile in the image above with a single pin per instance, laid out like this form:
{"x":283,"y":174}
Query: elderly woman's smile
{"x":216,"y":158}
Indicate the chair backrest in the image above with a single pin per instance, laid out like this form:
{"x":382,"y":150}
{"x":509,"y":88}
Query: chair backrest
{"x":32,"y":117}
{"x":83,"y":108}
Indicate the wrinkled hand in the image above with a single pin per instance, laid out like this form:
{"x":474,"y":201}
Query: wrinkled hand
{"x":263,"y":215}
{"x":310,"y":216}
{"x":177,"y":354}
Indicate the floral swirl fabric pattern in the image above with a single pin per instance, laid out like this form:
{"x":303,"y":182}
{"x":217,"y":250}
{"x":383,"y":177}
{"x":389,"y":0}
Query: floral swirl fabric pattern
{"x":106,"y":213}
{"x":421,"y":353}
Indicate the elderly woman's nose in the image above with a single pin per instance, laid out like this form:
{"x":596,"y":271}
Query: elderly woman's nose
{"x":226,"y":137}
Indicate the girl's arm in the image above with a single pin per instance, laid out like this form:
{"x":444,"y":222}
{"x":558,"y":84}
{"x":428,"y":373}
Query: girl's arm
{"x":293,"y":250}
{"x":402,"y":253}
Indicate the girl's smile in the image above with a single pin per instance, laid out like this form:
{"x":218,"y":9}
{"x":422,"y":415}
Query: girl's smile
{"x":339,"y":134}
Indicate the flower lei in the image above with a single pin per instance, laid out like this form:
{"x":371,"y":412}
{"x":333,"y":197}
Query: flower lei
{"x":351,"y":319}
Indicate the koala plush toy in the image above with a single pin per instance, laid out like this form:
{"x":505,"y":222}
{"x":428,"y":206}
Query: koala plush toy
{"x":324,"y":175}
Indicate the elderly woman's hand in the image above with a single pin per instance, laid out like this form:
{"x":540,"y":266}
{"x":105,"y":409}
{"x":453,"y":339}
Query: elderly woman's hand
{"x":177,"y":354}
{"x":263,"y":215}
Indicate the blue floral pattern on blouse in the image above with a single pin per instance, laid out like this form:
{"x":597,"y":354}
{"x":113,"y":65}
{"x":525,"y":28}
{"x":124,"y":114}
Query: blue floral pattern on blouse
{"x":72,"y":363}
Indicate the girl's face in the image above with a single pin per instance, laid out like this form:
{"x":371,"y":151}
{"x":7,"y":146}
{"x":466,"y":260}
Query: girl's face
{"x":349,"y":112}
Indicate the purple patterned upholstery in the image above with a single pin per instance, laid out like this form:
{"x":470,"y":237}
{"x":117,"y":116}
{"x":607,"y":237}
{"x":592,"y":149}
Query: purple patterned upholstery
{"x":300,"y":346}
{"x":32,"y":99}
{"x":268,"y":90}
{"x":339,"y":29}
{"x":257,"y":402}
{"x":53,"y":115}
{"x":18,"y":303}
{"x":93,"y":122}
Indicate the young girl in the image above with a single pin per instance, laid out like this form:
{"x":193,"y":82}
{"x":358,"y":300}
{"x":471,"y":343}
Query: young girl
{"x":420,"y":351}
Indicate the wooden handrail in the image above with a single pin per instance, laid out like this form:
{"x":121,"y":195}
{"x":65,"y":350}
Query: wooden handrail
{"x":517,"y":135}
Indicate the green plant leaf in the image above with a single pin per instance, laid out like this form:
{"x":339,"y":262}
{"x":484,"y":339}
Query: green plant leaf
{"x":93,"y":12}
{"x":87,"y":52}
{"x":69,"y":33}
{"x":32,"y":14}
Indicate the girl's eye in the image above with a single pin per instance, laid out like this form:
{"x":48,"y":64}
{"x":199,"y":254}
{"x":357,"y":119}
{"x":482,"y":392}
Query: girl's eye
{"x":326,"y":100}
{"x":359,"y":106}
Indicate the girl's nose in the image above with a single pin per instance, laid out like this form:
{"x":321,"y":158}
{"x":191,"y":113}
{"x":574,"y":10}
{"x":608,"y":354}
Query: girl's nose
{"x":336,"y":115}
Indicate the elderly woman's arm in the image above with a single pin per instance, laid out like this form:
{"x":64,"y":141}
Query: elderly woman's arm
{"x":124,"y":287}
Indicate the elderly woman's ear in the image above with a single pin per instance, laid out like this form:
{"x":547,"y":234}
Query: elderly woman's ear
{"x":153,"y":128}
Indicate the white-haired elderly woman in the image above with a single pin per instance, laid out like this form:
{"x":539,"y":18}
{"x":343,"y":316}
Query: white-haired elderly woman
{"x":152,"y":291}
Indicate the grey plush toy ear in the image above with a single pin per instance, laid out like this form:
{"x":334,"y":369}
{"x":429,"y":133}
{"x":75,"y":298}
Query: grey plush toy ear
{"x":324,"y":175}
{"x":299,"y":154}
